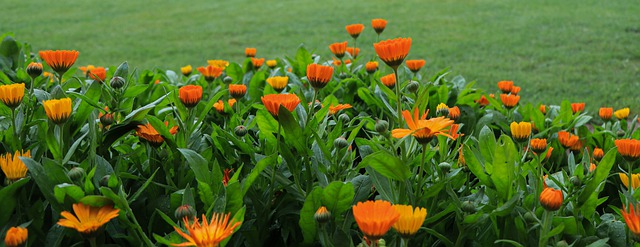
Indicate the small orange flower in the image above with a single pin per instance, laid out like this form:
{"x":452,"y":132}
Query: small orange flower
{"x":88,"y":219}
{"x":577,"y":107}
{"x":415,"y":65}
{"x":210,"y":73}
{"x":509,"y":100}
{"x":335,"y":109}
{"x":190,"y":95}
{"x":389,"y":80}
{"x":505,"y":86}
{"x":538,"y":145}
{"x":543,"y":109}
{"x":371,"y":67}
{"x":605,"y":113}
{"x":237,"y":91}
{"x":148,"y":133}
{"x":257,"y":62}
{"x":454,"y":113}
{"x":12,"y":166}
{"x":219,"y":106}
{"x":598,"y":153}
{"x":453,"y":132}
{"x":16,"y":236}
{"x":520,"y":131}
{"x":551,"y":199}
{"x":250,"y":52}
{"x":12,"y":94}
{"x":218,"y":63}
{"x":393,"y":51}
{"x":99,"y":74}
{"x":58,"y":110}
{"x":207,"y":234}
{"x":632,"y":218}
{"x":375,"y":218}
{"x":483,"y":101}
{"x":338,"y":49}
{"x":378,"y":25}
{"x":592,"y":167}
{"x":515,"y":90}
{"x":272,"y":102}
{"x":421,"y":128}
{"x":59,"y":60}
{"x":226,"y":177}
{"x":567,"y":139}
{"x":576,"y":147}
{"x":353,"y":51}
{"x":278,"y":83}
{"x":628,"y":148}
{"x":319,"y":75}
{"x":354,"y":30}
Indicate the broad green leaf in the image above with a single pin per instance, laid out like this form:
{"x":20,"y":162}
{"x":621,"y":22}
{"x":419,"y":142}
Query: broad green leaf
{"x":8,"y":200}
{"x":387,"y":165}
{"x":96,"y":201}
{"x":504,"y":162}
{"x":234,"y":197}
{"x":140,"y":190}
{"x":487,"y":144}
{"x":337,"y":197}
{"x":307,"y":222}
{"x":476,"y":167}
{"x":255,"y":172}
{"x":382,"y":185}
{"x":74,"y":192}
{"x":199,"y":165}
{"x":601,"y":173}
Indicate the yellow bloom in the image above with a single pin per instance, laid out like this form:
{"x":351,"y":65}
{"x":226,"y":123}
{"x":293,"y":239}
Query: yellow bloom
{"x":410,"y":220}
{"x":622,"y":113}
{"x":58,"y":110}
{"x":520,"y":131}
{"x":88,"y":219}
{"x":635,"y":180}
{"x":272,"y":63}
{"x":207,"y":234}
{"x":12,"y":94}
{"x":278,"y":83}
{"x":186,"y":70}
{"x":12,"y":166}
{"x":423,"y":129}
{"x":218,"y":63}
{"x":16,"y":236}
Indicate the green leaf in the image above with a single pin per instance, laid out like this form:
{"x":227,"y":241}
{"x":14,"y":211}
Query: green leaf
{"x":61,"y":191}
{"x":487,"y":144}
{"x":139,"y":114}
{"x":139,"y":191}
{"x":292,"y":130}
{"x":387,"y":165}
{"x":382,"y":185}
{"x":255,"y":86}
{"x":504,"y":163}
{"x":199,"y":165}
{"x":96,"y":201}
{"x":44,"y":182}
{"x":234,"y":197}
{"x":307,"y":221}
{"x":122,"y":70}
{"x":337,"y":197}
{"x":8,"y":200}
{"x":475,"y":167}
{"x":255,"y":172}
{"x":601,"y":173}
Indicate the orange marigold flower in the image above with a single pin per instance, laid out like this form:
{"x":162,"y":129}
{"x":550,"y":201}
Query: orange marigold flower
{"x":454,"y":113}
{"x":605,"y":113}
{"x":598,"y":153}
{"x":190,"y":95}
{"x":88,"y":219}
{"x":551,"y":199}
{"x":237,"y":91}
{"x":148,"y":133}
{"x":421,"y":128}
{"x":210,"y":73}
{"x":59,"y":60}
{"x":635,"y":180}
{"x":577,"y":107}
{"x":632,"y":218}
{"x":354,"y":30}
{"x":393,"y":51}
{"x":338,"y":49}
{"x":509,"y":100}
{"x":410,"y":220}
{"x":622,"y":113}
{"x":322,"y":215}
{"x":86,"y":69}
{"x":186,"y":70}
{"x":371,"y":67}
{"x":520,"y":131}
{"x":592,"y":167}
{"x":272,"y":63}
{"x":99,"y":74}
{"x":353,"y":51}
{"x":11,"y":95}
{"x":16,"y":236}
{"x":335,"y":109}
{"x":219,"y":106}
{"x":453,"y":131}
{"x":415,"y":65}
{"x":57,"y":110}
{"x":538,"y":145}
{"x":375,"y":218}
{"x":278,"y":83}
{"x":250,"y":52}
{"x":389,"y":80}
{"x":628,"y":148}
{"x":207,"y":234}
{"x":378,"y":25}
{"x":272,"y":102}
{"x":567,"y":139}
{"x":319,"y":75}
{"x":483,"y":101}
{"x":257,"y":62}
{"x":515,"y":90}
{"x":505,"y":86}
{"x":12,"y":166}
{"x":543,"y":109}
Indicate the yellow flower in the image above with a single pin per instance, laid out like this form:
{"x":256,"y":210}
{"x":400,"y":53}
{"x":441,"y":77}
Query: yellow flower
{"x":207,"y":234}
{"x":635,"y":180}
{"x":16,"y":236}
{"x":12,"y":94}
{"x":622,"y":113}
{"x":186,"y":70}
{"x":218,"y":63}
{"x":88,"y":219}
{"x":272,"y":63}
{"x":278,"y":83}
{"x":58,"y":110}
{"x":410,"y":220}
{"x":520,"y":131}
{"x":12,"y":166}
{"x":423,"y":129}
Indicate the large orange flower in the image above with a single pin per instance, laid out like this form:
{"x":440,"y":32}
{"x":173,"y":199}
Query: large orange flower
{"x":237,"y":91}
{"x":210,"y":73}
{"x":319,"y":75}
{"x":190,"y":95}
{"x":421,"y":128}
{"x":273,"y":101}
{"x":628,"y":148}
{"x":551,"y":199}
{"x":338,"y":49}
{"x":59,"y":60}
{"x":207,"y":234}
{"x":150,"y":134}
{"x":354,"y":30}
{"x":375,"y":218}
{"x":88,"y":219}
{"x":16,"y":236}
{"x":393,"y":51}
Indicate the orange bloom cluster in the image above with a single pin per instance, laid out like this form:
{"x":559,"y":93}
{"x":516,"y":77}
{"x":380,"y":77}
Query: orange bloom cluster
{"x":354,"y":30}
{"x":319,"y":75}
{"x":338,"y":49}
{"x":393,"y":51}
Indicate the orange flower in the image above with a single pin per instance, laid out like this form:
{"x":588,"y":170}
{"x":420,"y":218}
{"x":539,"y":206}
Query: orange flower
{"x":632,"y":218}
{"x":353,"y":51}
{"x":86,"y":69}
{"x":567,"y":139}
{"x":257,"y":62}
{"x":453,"y":132}
{"x":483,"y":101}
{"x":461,"y":156}
{"x":98,"y":74}
{"x":148,"y":133}
{"x":375,"y":218}
{"x":12,"y":166}
{"x":16,"y":236}
{"x":338,"y":49}
{"x":505,"y":86}
{"x":415,"y":65}
{"x":509,"y":100}
{"x":250,"y":52}
{"x":59,"y":60}
{"x":393,"y":51}
{"x":421,"y":128}
{"x":272,"y":102}
{"x":237,"y":91}
{"x":454,"y":113}
{"x":335,"y":109}
{"x":354,"y":30}
{"x":226,"y":177}
{"x":219,"y":106}
{"x":577,"y":107}
{"x":515,"y":90}
{"x":319,"y":75}
{"x":210,"y":73}
{"x":605,"y":113}
{"x":88,"y":219}
{"x":378,"y":25}
{"x":190,"y":95}
{"x":207,"y":234}
{"x":598,"y":153}
{"x":592,"y":167}
{"x":628,"y":148}
{"x":371,"y":67}
{"x":389,"y":80}
{"x":543,"y":109}
{"x":551,"y":199}
{"x":538,"y":145}
{"x":577,"y":146}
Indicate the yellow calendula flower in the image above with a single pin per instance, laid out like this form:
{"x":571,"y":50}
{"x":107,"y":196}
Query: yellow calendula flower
{"x":278,"y":83}
{"x":12,"y":94}
{"x":410,"y":220}
{"x":186,"y":70}
{"x":58,"y":110}
{"x":622,"y":113}
{"x":272,"y":63}
{"x":12,"y":166}
{"x":88,"y":219}
{"x":520,"y":131}
{"x":635,"y":180}
{"x":207,"y":234}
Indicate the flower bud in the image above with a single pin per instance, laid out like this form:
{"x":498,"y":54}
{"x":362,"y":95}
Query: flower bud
{"x":227,"y":79}
{"x":340,"y":142}
{"x":442,"y":110}
{"x":106,"y":119}
{"x":34,"y":69}
{"x":117,"y":82}
{"x":76,"y":173}
{"x":185,"y":210}
{"x":413,"y":86}
{"x":343,"y":75}
{"x":322,"y":215}
{"x":344,"y":118}
{"x":529,"y":217}
{"x":240,"y":130}
{"x":562,"y":243}
{"x":382,"y":126}
{"x":576,"y":181}
{"x":467,"y":206}
{"x":445,"y":167}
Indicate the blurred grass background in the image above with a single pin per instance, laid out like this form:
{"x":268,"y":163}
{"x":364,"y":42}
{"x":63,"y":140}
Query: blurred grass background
{"x":578,"y":50}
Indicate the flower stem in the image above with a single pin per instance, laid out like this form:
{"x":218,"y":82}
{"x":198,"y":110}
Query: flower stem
{"x":273,"y":174}
{"x":15,"y":127}
{"x":546,"y":224}
{"x":61,"y":142}
{"x":399,"y":99}
{"x":421,"y":176}
{"x":630,"y":177}
{"x":92,"y":242}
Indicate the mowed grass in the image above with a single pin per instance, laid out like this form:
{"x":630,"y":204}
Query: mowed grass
{"x":578,"y":50}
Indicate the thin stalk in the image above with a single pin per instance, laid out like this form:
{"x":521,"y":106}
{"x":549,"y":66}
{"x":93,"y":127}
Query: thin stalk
{"x":273,"y":174}
{"x":92,"y":242}
{"x":630,"y":179}
{"x":399,"y":99}
{"x":421,"y":176}
{"x":546,"y":224}
{"x":355,"y":47}
{"x":15,"y":127}
{"x":61,"y":142}
{"x":312,"y":106}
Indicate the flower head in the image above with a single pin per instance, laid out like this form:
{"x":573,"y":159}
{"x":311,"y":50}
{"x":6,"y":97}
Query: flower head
{"x":605,"y":113}
{"x":219,"y":106}
{"x":12,"y":166}
{"x":88,"y":219}
{"x":543,"y":109}
{"x":207,"y":234}
{"x":335,"y":109}
{"x":598,"y":153}
{"x":622,"y":113}
{"x":551,"y":199}
{"x":278,"y":83}
{"x":98,"y":74}
{"x":354,"y":30}
{"x":190,"y":95}
{"x":483,"y":101}
{"x":509,"y":100}
{"x":186,"y":70}
{"x":515,"y":90}
{"x":632,"y":218}
{"x":58,"y":110}
{"x":628,"y":148}
{"x":567,"y":139}
{"x":505,"y":86}
{"x":218,"y":63}
{"x":453,"y":131}
{"x":273,"y":102}
{"x":237,"y":91}
{"x":353,"y":51}
{"x":272,"y":63}
{"x":375,"y":218}
{"x":322,"y":215}
{"x":410,"y":220}
{"x":226,"y":177}
{"x":415,"y":65}
{"x":393,"y":51}
{"x":371,"y":67}
{"x":378,"y":25}
{"x":454,"y":113}
{"x":442,"y":109}
{"x":319,"y":75}
{"x":34,"y":69}
{"x":59,"y":60}
{"x":538,"y":145}
{"x":257,"y":62}
{"x":421,"y":128}
{"x":577,"y":107}
{"x":11,"y":95}
{"x":520,"y":131}
{"x":250,"y":52}
{"x":635,"y":180}
{"x":210,"y":73}
{"x":338,"y":49}
{"x":148,"y":133}
{"x":389,"y":80}
{"x":16,"y":236}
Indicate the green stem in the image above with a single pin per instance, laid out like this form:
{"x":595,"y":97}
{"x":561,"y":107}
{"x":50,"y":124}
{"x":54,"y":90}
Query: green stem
{"x":92,"y":242}
{"x":630,"y":177}
{"x":15,"y":127}
{"x":546,"y":224}
{"x":312,"y":106}
{"x":399,"y":99}
{"x":61,"y":142}
{"x":355,"y":47}
{"x":421,"y":176}
{"x":273,"y":174}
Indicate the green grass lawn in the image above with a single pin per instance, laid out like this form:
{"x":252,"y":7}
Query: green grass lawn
{"x":579,"y":50}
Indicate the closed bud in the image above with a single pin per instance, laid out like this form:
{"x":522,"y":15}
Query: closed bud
{"x":530,"y":218}
{"x":340,"y":142}
{"x":117,"y":82}
{"x":343,"y":75}
{"x":240,"y":130}
{"x":562,"y":243}
{"x":445,"y":167}
{"x":322,"y":215}
{"x":76,"y":173}
{"x":413,"y":86}
{"x":576,"y":181}
{"x":620,"y":133}
{"x":34,"y":69}
{"x":467,"y":206}
{"x":227,"y":79}
{"x":185,"y":211}
{"x":382,"y":126}
{"x":344,"y":118}
{"x":106,"y":119}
